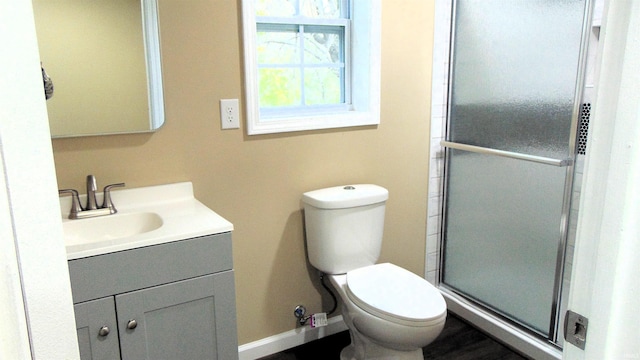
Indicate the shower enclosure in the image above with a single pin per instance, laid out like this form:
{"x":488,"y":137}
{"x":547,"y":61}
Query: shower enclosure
{"x":515,"y":88}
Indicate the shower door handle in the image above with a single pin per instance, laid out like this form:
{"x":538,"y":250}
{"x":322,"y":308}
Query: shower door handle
{"x":508,"y":154}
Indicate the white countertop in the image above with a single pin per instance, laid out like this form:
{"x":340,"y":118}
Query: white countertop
{"x":182,"y":215}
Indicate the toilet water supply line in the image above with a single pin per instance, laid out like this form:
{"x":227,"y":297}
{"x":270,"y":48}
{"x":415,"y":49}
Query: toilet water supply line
{"x":318,"y":319}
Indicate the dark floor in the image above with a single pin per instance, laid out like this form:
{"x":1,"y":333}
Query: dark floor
{"x":458,"y":341}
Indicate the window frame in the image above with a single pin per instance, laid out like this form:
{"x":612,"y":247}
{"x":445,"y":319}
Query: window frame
{"x":362,"y":82}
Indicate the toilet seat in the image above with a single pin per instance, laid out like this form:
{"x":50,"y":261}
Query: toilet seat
{"x":395,"y":294}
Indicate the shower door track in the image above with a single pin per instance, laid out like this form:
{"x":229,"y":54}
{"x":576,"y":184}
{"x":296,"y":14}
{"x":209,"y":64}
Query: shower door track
{"x":514,"y":334}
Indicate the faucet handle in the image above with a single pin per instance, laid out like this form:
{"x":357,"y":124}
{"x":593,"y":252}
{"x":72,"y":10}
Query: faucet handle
{"x":75,"y":202}
{"x":107,"y":202}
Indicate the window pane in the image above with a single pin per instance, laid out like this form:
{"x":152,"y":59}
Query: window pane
{"x":309,"y":8}
{"x":321,"y":8}
{"x":276,"y":7}
{"x":278,"y":47}
{"x":279,"y":87}
{"x":322,"y":86}
{"x":301,"y":63}
{"x":323,"y":47}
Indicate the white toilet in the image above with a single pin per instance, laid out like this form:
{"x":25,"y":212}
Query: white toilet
{"x":391,"y":313}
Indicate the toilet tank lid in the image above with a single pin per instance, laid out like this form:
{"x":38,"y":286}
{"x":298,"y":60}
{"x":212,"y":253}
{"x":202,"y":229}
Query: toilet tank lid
{"x":347,"y":196}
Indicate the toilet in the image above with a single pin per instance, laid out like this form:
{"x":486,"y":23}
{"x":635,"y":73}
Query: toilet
{"x":391,"y":313}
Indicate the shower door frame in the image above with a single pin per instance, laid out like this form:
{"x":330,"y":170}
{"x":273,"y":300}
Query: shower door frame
{"x":549,"y":345}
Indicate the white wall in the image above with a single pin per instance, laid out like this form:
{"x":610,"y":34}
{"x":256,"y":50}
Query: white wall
{"x":14,"y":342}
{"x":29,"y":209}
{"x":605,"y":278}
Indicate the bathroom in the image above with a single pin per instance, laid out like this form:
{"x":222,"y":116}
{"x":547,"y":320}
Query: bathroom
{"x":240,"y":176}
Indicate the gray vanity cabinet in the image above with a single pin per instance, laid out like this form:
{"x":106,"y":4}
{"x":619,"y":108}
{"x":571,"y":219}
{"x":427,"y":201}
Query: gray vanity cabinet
{"x":184,"y":320}
{"x":97,"y":329}
{"x":168,"y":301}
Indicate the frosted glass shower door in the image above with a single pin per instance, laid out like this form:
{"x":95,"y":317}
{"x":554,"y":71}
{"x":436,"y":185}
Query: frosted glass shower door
{"x":514,"y":75}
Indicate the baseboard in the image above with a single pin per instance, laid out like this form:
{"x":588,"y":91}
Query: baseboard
{"x":289,"y":339}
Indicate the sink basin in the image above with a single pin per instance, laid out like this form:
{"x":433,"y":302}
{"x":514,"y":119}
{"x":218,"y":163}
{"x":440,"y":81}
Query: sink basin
{"x":146,"y":216}
{"x":109,"y":227}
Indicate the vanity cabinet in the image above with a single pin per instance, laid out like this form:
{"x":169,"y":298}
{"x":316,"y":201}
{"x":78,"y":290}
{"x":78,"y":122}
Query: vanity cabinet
{"x":167,"y":301}
{"x":97,"y":329}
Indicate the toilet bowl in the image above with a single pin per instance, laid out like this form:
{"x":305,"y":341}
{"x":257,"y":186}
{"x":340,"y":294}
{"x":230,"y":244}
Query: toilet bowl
{"x":390,"y":312}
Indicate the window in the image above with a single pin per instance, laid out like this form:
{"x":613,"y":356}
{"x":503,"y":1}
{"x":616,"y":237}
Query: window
{"x":311,"y":64}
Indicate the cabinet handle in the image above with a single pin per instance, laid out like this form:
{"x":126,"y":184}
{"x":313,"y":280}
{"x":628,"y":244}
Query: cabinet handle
{"x":104,"y":331}
{"x":132,"y":324}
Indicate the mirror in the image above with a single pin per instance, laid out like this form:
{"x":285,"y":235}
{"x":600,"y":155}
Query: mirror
{"x":103,"y":57}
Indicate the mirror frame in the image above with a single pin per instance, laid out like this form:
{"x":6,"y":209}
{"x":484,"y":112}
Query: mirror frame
{"x":153,"y":55}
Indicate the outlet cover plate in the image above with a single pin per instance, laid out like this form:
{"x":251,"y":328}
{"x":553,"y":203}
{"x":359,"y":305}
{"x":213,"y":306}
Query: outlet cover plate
{"x":229,"y":114}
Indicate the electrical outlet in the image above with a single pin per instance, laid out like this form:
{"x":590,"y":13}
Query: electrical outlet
{"x":229,"y":114}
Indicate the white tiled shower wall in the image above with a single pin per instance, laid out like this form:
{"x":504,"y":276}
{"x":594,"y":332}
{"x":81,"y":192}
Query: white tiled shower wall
{"x":439,"y":91}
{"x":439,"y":88}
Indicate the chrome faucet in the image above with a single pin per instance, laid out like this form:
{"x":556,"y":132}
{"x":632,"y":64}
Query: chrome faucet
{"x":92,"y":209}
{"x":92,"y":187}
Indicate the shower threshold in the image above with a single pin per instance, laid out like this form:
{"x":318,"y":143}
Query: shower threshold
{"x":507,"y":333}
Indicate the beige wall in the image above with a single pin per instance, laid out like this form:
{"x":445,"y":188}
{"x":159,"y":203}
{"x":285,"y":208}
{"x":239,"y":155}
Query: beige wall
{"x":256,"y":182}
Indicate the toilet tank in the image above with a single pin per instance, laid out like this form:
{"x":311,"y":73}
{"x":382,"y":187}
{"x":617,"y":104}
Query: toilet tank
{"x":344,"y":226}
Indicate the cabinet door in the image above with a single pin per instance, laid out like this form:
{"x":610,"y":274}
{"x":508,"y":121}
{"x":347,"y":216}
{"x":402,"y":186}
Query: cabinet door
{"x":190,"y":319}
{"x":97,"y":329}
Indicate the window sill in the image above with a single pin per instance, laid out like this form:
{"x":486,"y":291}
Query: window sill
{"x":315,"y":122}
